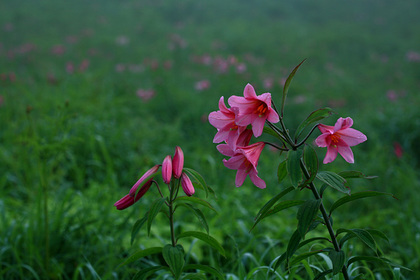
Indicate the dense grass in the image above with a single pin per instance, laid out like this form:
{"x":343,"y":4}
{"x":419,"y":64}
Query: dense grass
{"x":75,"y":135}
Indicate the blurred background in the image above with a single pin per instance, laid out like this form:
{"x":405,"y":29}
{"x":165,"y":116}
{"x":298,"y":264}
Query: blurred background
{"x":94,"y":93}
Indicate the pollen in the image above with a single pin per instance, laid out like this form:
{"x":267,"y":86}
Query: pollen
{"x":261,"y":109}
{"x":335,"y":138}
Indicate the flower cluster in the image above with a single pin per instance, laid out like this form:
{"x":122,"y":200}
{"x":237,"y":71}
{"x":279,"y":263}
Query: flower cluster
{"x":172,"y":169}
{"x":232,"y":123}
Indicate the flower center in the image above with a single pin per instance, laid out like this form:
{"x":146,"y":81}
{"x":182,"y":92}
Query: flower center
{"x":335,"y":138}
{"x":233,"y":127}
{"x":261,"y":109}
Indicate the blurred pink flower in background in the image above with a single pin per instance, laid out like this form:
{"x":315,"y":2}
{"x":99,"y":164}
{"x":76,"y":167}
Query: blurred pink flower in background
{"x":84,"y":65}
{"x":72,"y":39}
{"x":8,"y":26}
{"x":338,"y":139}
{"x":122,"y":40}
{"x":12,"y":77}
{"x":202,"y":85}
{"x":268,"y":83}
{"x":398,"y":150}
{"x":119,"y":67}
{"x":241,"y":68}
{"x":58,"y":49}
{"x":70,"y":67}
{"x":392,"y":95}
{"x":413,"y":56}
{"x":1,"y":100}
{"x":145,"y":94}
{"x":167,"y":64}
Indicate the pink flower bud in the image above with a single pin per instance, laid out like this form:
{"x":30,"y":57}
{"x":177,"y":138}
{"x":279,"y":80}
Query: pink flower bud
{"x":148,"y":173}
{"x":167,"y":169}
{"x":187,"y":185}
{"x":178,"y":162}
{"x":129,"y":199}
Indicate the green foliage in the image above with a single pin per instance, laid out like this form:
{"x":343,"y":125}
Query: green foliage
{"x":87,"y":137}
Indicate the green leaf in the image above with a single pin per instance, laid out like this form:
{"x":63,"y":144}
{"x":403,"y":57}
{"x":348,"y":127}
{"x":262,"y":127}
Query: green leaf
{"x":194,"y":276}
{"x":374,"y":259}
{"x":282,"y":171}
{"x":174,"y":257}
{"x":355,"y":174}
{"x":199,"y":214}
{"x":272,"y":201}
{"x":379,"y":234}
{"x":333,"y":180}
{"x":277,"y":208}
{"x":205,"y":268}
{"x":363,"y":235}
{"x":313,"y":117}
{"x":337,"y":259}
{"x":323,"y":274}
{"x":196,"y":177}
{"x":137,"y":226}
{"x":144,"y":273}
{"x":287,"y":85}
{"x":310,"y":160}
{"x":203,"y":237}
{"x":293,"y":167}
{"x":306,"y":214}
{"x":154,"y":210}
{"x":303,"y":256}
{"x":271,"y":132}
{"x":141,"y":254}
{"x":196,"y":200}
{"x":356,"y":196}
{"x":293,"y":244}
{"x":310,"y":240}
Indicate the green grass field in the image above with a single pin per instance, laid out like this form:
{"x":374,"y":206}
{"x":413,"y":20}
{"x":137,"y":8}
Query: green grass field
{"x":94,"y":93}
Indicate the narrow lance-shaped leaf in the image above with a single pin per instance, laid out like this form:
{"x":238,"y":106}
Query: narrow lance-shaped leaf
{"x":306,"y":214}
{"x":313,"y":117}
{"x":141,"y":254}
{"x":310,"y":161}
{"x":277,"y":208}
{"x":363,"y":235}
{"x":355,"y":174}
{"x":154,"y":210}
{"x":337,"y":259}
{"x":293,"y":244}
{"x":282,"y":171}
{"x":137,"y":226}
{"x":205,"y":268}
{"x":287,"y":85}
{"x":195,"y":200}
{"x":203,"y":237}
{"x":199,"y":214}
{"x":293,"y":167}
{"x":333,"y":180}
{"x":174,"y":257}
{"x":272,"y":201}
{"x":356,"y":196}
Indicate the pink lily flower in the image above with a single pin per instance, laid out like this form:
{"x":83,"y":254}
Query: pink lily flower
{"x":253,"y":109}
{"x":224,"y":121}
{"x":167,"y":169}
{"x":338,"y":139}
{"x":245,"y":160}
{"x":178,"y":162}
{"x":129,"y":199}
{"x":243,"y":141}
{"x":187,"y":185}
{"x":148,"y":173}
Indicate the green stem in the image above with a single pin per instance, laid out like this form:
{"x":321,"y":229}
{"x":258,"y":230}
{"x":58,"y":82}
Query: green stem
{"x":325,"y":216}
